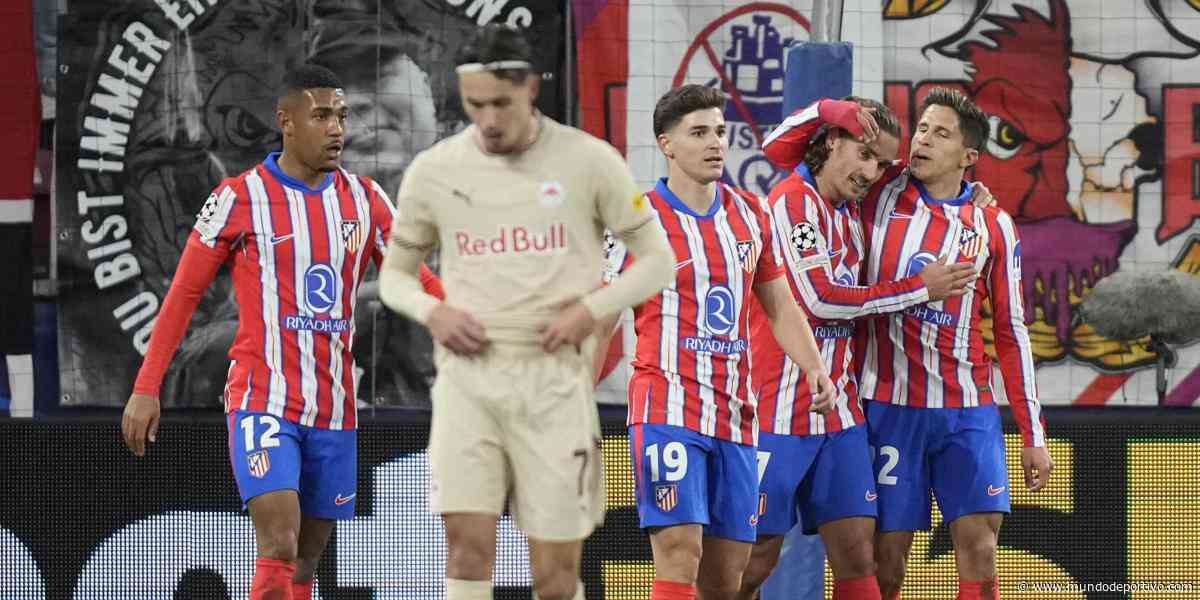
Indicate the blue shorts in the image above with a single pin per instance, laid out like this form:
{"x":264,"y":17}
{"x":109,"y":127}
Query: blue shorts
{"x":826,"y":477}
{"x":269,"y":454}
{"x":956,"y":452}
{"x":683,"y":477}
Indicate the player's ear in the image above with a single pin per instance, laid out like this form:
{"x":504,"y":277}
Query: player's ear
{"x":664,"y":144}
{"x":534,"y":83}
{"x":969,"y":158}
{"x":831,"y":138}
{"x":283,"y":120}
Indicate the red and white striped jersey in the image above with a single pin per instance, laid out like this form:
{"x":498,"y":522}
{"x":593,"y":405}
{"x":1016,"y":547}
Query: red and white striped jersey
{"x":691,"y":365}
{"x":824,"y":249}
{"x":932,"y":355}
{"x":298,"y":257}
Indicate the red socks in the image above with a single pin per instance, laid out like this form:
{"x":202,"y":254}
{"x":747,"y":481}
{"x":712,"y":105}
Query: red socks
{"x":272,"y":579}
{"x":863,"y":588}
{"x":979,"y":590}
{"x":672,"y":590}
{"x":302,"y":591}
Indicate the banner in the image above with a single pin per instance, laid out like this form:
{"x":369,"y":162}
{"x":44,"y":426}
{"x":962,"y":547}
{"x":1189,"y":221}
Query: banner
{"x":159,"y":100}
{"x":1093,"y":146}
{"x":1118,"y":511}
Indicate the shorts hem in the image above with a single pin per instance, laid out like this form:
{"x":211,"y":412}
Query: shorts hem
{"x":814,"y":530}
{"x":246,"y":499}
{"x":978,"y":511}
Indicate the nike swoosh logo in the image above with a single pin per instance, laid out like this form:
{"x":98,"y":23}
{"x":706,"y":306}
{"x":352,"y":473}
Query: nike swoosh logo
{"x":896,"y":215}
{"x":995,"y":491}
{"x":871,"y":497}
{"x":277,"y":239}
{"x":681,"y":264}
{"x":461,"y":195}
{"x":340,"y":500}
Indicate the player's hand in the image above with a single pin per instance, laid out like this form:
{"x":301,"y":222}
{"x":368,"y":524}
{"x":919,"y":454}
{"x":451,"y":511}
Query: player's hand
{"x":1037,"y":464}
{"x":824,"y":394}
{"x":457,"y":330}
{"x":981,"y":196}
{"x":866,"y":120}
{"x":573,"y":324}
{"x":945,"y":280}
{"x":140,"y":422}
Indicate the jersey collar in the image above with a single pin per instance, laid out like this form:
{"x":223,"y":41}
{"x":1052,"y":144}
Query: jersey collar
{"x":964,"y":194}
{"x":677,"y":204}
{"x":272,"y":165}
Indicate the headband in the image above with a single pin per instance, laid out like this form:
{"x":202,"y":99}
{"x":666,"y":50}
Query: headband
{"x":499,"y":65}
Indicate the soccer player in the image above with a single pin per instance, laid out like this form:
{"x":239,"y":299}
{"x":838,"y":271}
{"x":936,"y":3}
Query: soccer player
{"x":692,"y":422}
{"x":931,"y":414}
{"x":298,"y":233}
{"x":822,"y":463}
{"x":518,"y":205}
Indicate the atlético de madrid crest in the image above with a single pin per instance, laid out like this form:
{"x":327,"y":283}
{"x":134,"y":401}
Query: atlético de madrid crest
{"x":353,"y":235}
{"x":969,"y":243}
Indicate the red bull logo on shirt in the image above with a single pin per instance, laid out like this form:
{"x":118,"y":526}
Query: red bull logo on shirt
{"x":513,"y":239}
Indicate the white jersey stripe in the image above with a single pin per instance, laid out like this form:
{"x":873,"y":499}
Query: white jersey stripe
{"x":272,"y":340}
{"x":1017,"y":321}
{"x":337,"y":259}
{"x":214,"y":223}
{"x":794,"y":120}
{"x":700,"y":283}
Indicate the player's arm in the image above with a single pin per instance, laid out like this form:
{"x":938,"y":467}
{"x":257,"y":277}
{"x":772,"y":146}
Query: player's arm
{"x":384,"y":213}
{"x":207,"y":248}
{"x":803,"y":227}
{"x":1014,"y":349}
{"x":787,"y":144}
{"x":413,"y":236}
{"x":606,"y":330}
{"x":624,"y":210}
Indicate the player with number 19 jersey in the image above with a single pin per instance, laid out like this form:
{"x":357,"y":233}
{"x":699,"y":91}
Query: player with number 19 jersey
{"x":691,"y":368}
{"x":692,"y":416}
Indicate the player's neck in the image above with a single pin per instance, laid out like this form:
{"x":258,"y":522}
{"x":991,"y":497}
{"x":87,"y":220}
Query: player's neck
{"x":827,"y":190}
{"x":945,"y":186}
{"x":298,"y":171}
{"x":696,"y":195}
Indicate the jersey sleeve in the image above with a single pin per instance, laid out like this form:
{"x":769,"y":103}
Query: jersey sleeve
{"x":413,"y":225}
{"x":1012,"y":337}
{"x":787,"y":144}
{"x":383,"y":213}
{"x":807,"y":230}
{"x":770,"y":259}
{"x":620,"y":205}
{"x":222,"y":223}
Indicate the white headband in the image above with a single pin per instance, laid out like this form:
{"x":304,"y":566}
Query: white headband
{"x":500,"y":65}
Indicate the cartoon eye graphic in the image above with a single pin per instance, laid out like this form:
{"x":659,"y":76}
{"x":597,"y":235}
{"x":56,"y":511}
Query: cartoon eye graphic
{"x":242,"y":129}
{"x":1004,"y":139}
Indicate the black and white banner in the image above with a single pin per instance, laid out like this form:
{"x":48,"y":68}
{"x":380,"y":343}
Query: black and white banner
{"x":160,"y":99}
